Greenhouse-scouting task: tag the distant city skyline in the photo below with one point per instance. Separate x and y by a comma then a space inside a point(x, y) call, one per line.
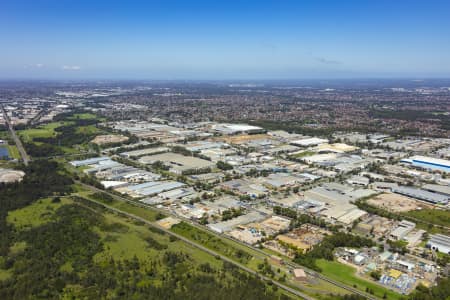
point(228, 40)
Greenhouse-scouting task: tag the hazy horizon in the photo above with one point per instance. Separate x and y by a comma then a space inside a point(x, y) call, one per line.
point(232, 40)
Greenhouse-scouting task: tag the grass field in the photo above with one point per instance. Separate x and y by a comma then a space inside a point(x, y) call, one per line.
point(225, 247)
point(13, 152)
point(87, 116)
point(346, 275)
point(126, 239)
point(123, 239)
point(47, 130)
point(90, 129)
point(435, 216)
point(84, 116)
point(35, 214)
point(4, 274)
point(147, 214)
point(17, 247)
point(249, 257)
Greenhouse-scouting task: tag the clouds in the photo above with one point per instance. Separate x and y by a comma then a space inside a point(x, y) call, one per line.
point(70, 68)
point(34, 66)
point(326, 61)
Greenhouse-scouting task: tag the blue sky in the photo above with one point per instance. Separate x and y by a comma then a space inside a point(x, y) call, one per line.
point(224, 39)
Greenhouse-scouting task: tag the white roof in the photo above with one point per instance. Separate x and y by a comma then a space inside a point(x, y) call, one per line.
point(242, 127)
point(107, 184)
point(432, 160)
point(309, 141)
point(299, 273)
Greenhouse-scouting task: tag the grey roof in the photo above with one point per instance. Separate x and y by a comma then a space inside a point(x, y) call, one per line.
point(253, 216)
point(441, 189)
point(440, 239)
point(90, 161)
point(421, 194)
point(162, 187)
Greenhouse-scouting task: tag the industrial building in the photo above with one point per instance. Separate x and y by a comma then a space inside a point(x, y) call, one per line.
point(142, 152)
point(308, 142)
point(299, 275)
point(177, 163)
point(90, 161)
point(440, 243)
point(403, 228)
point(429, 163)
point(225, 226)
point(436, 188)
point(282, 180)
point(231, 129)
point(420, 194)
point(150, 188)
point(244, 187)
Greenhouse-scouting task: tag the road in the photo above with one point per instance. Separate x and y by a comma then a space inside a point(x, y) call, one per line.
point(23, 153)
point(204, 228)
point(207, 250)
point(37, 117)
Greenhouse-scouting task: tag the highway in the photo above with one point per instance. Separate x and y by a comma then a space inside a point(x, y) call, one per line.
point(207, 250)
point(204, 228)
point(23, 153)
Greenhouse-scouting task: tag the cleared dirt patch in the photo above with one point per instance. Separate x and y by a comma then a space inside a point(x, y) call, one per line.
point(397, 203)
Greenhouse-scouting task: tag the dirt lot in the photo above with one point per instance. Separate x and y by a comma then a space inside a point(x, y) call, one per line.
point(8, 175)
point(109, 139)
point(240, 139)
point(397, 203)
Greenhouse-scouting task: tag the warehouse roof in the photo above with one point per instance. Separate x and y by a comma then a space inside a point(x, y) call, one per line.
point(309, 142)
point(440, 189)
point(90, 161)
point(177, 161)
point(421, 194)
point(253, 216)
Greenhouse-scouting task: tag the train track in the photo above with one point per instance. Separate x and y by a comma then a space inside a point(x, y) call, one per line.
point(204, 228)
point(17, 141)
point(207, 250)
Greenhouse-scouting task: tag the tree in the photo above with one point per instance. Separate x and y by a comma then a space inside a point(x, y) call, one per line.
point(224, 166)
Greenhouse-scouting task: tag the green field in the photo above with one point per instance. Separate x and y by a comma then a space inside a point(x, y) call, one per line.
point(222, 246)
point(76, 137)
point(13, 152)
point(346, 275)
point(17, 248)
point(4, 274)
point(126, 250)
point(84, 116)
point(147, 214)
point(435, 216)
point(47, 130)
point(124, 239)
point(236, 251)
point(90, 129)
point(36, 214)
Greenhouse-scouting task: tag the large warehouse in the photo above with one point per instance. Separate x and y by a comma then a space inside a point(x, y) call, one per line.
point(439, 242)
point(230, 129)
point(429, 163)
point(178, 164)
point(421, 194)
